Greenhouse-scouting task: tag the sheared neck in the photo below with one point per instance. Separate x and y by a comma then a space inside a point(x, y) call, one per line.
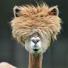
point(35, 60)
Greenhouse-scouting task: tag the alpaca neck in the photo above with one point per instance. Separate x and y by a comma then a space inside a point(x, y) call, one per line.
point(35, 60)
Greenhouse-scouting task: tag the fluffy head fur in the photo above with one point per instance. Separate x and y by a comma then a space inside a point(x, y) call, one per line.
point(30, 19)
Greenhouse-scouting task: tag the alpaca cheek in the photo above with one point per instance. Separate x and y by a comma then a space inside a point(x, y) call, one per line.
point(45, 45)
point(28, 47)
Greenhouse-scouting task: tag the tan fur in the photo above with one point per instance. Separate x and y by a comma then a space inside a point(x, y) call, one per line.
point(34, 18)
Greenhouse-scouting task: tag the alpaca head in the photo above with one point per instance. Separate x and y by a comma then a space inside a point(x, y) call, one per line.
point(34, 27)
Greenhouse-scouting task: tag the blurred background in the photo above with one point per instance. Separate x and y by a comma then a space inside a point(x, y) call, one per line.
point(12, 52)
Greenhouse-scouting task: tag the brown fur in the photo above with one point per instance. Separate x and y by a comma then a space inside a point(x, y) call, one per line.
point(36, 18)
point(35, 61)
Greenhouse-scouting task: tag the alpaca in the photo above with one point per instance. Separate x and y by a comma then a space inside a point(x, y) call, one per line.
point(34, 27)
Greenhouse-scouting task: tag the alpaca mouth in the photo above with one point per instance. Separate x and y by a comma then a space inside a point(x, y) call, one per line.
point(35, 50)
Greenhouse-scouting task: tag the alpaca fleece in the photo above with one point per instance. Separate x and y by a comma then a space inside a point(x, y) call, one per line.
point(35, 19)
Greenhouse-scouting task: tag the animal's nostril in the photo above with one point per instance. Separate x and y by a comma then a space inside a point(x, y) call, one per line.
point(35, 41)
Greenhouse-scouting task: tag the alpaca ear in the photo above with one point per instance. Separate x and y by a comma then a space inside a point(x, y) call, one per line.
point(54, 11)
point(16, 11)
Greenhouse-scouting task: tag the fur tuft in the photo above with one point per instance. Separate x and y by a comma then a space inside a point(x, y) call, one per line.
point(33, 19)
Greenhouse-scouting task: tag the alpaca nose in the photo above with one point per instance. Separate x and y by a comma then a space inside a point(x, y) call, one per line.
point(35, 41)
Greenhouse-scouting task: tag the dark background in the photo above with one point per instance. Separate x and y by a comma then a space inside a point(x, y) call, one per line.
point(12, 52)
